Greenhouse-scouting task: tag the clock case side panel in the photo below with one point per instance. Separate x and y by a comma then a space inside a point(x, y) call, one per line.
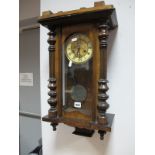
point(58, 69)
point(90, 30)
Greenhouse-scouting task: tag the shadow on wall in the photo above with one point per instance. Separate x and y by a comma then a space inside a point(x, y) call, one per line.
point(72, 142)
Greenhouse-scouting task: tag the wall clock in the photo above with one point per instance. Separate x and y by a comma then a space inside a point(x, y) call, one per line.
point(78, 68)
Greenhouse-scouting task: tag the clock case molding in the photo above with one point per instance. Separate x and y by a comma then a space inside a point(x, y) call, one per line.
point(97, 22)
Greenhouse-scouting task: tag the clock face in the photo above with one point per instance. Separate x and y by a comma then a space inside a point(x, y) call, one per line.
point(78, 48)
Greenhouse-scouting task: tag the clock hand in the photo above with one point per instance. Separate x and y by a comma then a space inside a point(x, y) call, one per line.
point(79, 52)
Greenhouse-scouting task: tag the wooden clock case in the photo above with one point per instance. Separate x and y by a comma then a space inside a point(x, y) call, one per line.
point(96, 23)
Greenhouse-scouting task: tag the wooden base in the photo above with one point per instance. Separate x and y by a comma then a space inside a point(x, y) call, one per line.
point(82, 124)
point(102, 120)
point(52, 113)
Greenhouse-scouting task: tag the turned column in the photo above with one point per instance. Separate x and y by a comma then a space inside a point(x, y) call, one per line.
point(102, 82)
point(52, 101)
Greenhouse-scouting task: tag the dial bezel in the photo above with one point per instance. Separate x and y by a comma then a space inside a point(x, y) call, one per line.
point(89, 44)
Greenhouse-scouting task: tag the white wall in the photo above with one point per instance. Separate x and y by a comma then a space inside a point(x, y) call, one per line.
point(121, 82)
